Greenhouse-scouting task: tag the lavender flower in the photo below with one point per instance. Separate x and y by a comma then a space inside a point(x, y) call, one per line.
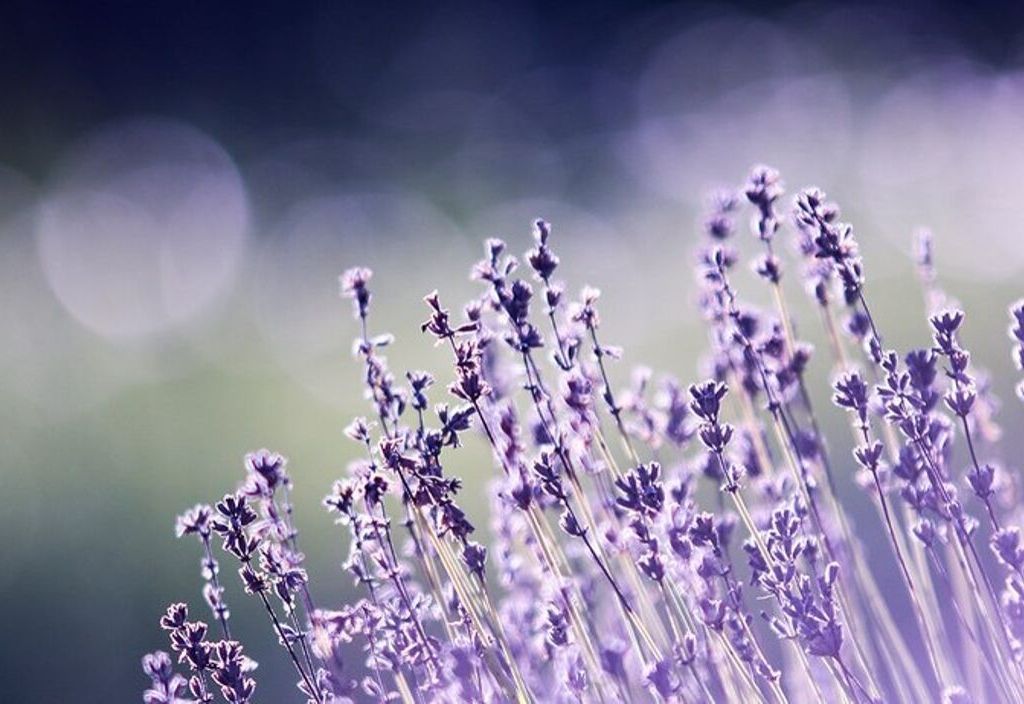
point(763, 189)
point(354, 285)
point(609, 572)
point(1017, 335)
point(167, 686)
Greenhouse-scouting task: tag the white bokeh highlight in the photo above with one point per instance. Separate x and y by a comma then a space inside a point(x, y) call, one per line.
point(143, 229)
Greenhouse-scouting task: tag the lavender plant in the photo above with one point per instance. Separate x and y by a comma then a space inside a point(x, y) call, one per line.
point(654, 542)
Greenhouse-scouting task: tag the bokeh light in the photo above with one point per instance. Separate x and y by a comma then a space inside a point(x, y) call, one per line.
point(143, 227)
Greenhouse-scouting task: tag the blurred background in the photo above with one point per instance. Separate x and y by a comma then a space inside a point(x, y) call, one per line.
point(181, 183)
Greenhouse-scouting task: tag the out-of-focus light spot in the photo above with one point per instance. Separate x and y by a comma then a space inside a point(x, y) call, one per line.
point(143, 229)
point(940, 150)
point(802, 126)
point(50, 367)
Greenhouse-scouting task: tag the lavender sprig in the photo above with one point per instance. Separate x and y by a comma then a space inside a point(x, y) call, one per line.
point(611, 574)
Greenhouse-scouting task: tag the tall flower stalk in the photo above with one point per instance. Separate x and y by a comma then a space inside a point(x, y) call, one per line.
point(657, 541)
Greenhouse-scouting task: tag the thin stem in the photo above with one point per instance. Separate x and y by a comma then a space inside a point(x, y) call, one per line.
point(211, 565)
point(287, 644)
point(609, 396)
point(918, 611)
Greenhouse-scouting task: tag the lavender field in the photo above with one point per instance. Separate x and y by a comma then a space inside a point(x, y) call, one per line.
point(512, 354)
point(610, 574)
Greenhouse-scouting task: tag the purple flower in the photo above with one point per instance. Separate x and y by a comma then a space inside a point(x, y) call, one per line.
point(981, 478)
point(706, 399)
point(868, 456)
point(475, 557)
point(195, 521)
point(175, 617)
point(662, 679)
point(229, 670)
point(769, 268)
point(945, 324)
point(419, 382)
point(438, 323)
point(557, 627)
point(715, 436)
point(166, 686)
point(960, 401)
point(641, 490)
point(763, 188)
point(718, 223)
point(852, 393)
point(568, 522)
point(636, 593)
point(354, 285)
point(541, 259)
point(1016, 331)
point(1006, 544)
point(267, 469)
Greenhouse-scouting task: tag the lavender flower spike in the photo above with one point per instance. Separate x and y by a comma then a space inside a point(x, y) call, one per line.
point(709, 556)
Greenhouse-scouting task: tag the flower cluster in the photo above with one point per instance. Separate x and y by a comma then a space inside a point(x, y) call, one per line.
point(650, 541)
point(212, 664)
